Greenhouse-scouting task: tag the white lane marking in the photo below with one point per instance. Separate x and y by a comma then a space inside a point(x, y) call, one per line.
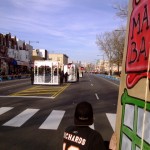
point(92, 126)
point(51, 97)
point(5, 109)
point(96, 96)
point(53, 120)
point(112, 120)
point(21, 118)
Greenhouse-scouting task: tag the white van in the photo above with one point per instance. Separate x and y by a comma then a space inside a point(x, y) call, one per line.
point(73, 73)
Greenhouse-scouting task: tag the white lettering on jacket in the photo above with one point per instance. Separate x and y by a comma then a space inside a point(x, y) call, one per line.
point(74, 138)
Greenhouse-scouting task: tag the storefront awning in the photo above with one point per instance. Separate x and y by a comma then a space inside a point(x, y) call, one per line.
point(14, 62)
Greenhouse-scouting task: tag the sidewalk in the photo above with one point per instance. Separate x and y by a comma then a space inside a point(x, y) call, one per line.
point(114, 78)
point(13, 77)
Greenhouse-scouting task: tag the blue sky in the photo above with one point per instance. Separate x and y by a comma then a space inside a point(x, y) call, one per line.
point(60, 26)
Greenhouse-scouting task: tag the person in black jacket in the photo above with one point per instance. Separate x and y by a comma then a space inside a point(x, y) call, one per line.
point(32, 77)
point(66, 76)
point(61, 77)
point(80, 136)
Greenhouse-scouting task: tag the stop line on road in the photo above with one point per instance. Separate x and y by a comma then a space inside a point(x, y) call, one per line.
point(52, 122)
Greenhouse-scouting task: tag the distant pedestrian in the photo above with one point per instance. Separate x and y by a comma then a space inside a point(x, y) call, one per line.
point(32, 77)
point(61, 77)
point(66, 76)
point(78, 76)
point(55, 72)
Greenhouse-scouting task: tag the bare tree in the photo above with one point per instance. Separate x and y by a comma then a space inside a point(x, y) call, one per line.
point(122, 10)
point(118, 47)
point(112, 44)
point(104, 42)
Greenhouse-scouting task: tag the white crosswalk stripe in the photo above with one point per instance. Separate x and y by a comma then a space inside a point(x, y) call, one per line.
point(4, 109)
point(53, 120)
point(112, 120)
point(21, 118)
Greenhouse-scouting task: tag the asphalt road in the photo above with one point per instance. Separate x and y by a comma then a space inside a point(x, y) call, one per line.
point(33, 117)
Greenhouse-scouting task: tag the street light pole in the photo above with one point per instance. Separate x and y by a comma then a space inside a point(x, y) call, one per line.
point(30, 53)
point(33, 42)
point(120, 30)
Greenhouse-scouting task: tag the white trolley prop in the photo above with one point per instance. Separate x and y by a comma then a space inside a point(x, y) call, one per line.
point(81, 69)
point(72, 72)
point(46, 72)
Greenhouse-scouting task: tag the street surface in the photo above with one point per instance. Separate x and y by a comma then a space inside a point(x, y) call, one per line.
point(33, 117)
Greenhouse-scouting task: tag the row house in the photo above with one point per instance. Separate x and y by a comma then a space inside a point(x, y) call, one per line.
point(15, 55)
point(39, 54)
point(61, 58)
point(104, 66)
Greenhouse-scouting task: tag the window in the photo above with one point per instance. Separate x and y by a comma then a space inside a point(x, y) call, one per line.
point(132, 123)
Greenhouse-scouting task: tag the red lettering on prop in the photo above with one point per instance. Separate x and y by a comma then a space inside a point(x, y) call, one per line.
point(138, 42)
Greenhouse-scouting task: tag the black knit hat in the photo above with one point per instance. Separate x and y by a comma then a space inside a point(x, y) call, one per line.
point(83, 114)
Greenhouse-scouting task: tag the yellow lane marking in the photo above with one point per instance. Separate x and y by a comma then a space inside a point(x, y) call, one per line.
point(39, 87)
point(33, 93)
point(59, 92)
point(42, 90)
point(17, 93)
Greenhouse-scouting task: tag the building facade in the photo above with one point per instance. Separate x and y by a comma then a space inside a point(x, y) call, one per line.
point(39, 54)
point(15, 55)
point(104, 66)
point(61, 58)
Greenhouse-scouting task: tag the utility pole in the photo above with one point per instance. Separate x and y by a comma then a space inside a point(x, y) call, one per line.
point(30, 53)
